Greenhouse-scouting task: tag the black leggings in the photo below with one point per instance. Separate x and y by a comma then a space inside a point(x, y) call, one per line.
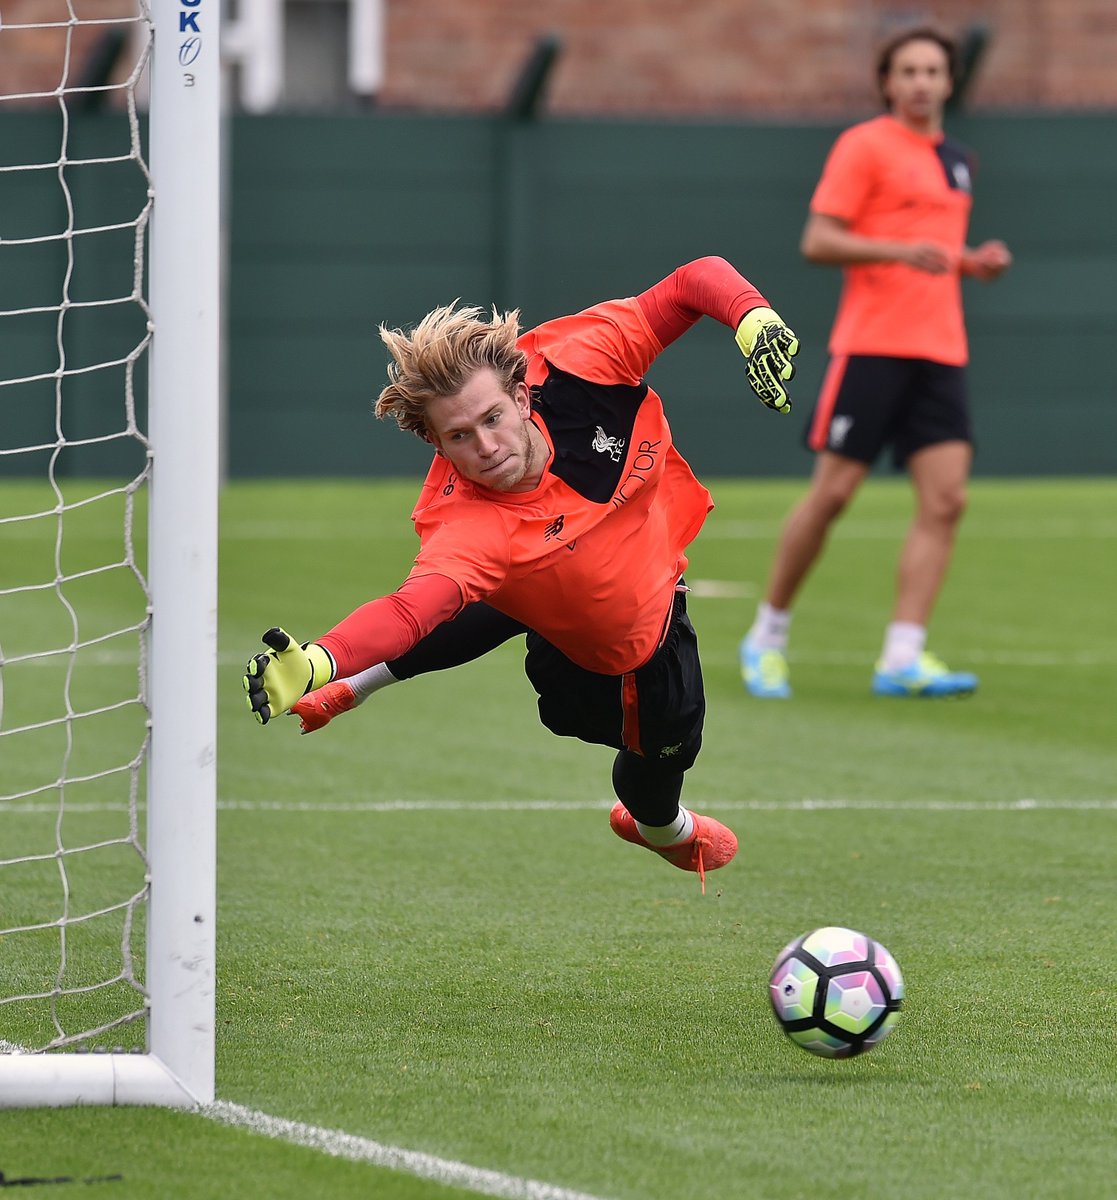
point(649, 792)
point(476, 630)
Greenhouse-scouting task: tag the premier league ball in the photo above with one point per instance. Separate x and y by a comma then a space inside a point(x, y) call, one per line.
point(836, 992)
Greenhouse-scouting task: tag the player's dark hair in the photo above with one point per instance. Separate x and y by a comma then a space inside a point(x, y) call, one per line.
point(439, 357)
point(921, 33)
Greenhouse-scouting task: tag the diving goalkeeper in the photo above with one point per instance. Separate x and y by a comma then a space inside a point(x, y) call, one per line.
point(557, 505)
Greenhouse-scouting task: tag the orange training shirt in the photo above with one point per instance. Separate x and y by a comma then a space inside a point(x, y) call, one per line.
point(886, 181)
point(589, 558)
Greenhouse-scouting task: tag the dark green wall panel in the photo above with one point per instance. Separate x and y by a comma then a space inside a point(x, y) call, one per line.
point(338, 223)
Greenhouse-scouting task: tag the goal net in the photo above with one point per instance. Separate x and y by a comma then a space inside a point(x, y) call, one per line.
point(109, 236)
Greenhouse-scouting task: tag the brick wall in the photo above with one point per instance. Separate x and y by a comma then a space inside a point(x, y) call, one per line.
point(698, 58)
point(41, 51)
point(737, 58)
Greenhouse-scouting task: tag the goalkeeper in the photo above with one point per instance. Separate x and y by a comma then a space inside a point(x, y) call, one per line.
point(556, 505)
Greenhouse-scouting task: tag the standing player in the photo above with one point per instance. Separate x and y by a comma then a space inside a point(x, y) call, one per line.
point(892, 209)
point(556, 505)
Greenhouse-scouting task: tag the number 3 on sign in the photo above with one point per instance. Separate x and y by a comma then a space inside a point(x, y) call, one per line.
point(187, 79)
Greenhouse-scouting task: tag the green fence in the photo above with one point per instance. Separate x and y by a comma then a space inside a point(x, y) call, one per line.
point(338, 223)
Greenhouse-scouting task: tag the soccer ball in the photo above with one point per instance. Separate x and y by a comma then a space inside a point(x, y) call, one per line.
point(836, 992)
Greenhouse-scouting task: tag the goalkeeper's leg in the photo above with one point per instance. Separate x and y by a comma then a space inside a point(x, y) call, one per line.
point(648, 813)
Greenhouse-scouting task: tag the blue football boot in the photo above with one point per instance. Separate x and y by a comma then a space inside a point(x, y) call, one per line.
point(764, 671)
point(927, 676)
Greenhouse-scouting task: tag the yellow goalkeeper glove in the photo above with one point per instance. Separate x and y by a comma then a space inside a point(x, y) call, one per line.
point(768, 346)
point(274, 681)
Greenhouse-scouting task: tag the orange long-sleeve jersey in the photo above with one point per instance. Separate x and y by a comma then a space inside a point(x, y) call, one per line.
point(886, 181)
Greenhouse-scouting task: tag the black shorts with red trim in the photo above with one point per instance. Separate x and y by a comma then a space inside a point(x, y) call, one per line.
point(657, 710)
point(869, 401)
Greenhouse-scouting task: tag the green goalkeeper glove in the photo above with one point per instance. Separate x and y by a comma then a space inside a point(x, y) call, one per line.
point(768, 346)
point(274, 681)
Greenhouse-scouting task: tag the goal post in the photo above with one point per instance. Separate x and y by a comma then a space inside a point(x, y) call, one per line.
point(185, 144)
point(178, 656)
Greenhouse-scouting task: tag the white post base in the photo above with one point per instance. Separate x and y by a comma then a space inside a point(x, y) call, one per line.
point(62, 1080)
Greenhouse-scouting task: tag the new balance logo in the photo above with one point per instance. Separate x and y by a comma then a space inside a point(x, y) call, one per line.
point(604, 444)
point(553, 528)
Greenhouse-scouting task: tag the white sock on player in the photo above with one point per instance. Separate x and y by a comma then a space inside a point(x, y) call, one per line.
point(903, 644)
point(678, 831)
point(770, 628)
point(364, 683)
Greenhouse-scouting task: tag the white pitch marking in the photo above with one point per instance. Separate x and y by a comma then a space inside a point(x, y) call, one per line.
point(413, 1162)
point(808, 804)
point(996, 658)
point(805, 805)
point(721, 589)
point(888, 529)
point(708, 589)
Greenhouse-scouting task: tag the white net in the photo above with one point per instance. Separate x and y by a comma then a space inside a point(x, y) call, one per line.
point(75, 201)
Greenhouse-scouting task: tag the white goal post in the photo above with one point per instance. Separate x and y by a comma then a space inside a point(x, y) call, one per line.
point(175, 1066)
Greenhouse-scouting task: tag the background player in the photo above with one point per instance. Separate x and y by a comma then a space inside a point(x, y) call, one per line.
point(892, 208)
point(557, 503)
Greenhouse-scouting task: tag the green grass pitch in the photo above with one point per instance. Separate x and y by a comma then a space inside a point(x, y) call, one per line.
point(429, 938)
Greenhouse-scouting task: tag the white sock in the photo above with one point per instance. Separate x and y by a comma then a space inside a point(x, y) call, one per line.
point(770, 629)
point(903, 644)
point(364, 683)
point(668, 835)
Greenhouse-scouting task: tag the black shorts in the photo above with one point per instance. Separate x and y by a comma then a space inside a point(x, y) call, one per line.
point(869, 401)
point(656, 710)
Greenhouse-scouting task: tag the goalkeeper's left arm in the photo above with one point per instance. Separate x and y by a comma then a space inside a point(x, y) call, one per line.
point(714, 288)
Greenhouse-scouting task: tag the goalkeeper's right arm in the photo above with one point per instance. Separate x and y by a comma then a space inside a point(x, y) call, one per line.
point(379, 631)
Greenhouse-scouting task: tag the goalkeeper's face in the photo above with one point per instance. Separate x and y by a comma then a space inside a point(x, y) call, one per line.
point(488, 435)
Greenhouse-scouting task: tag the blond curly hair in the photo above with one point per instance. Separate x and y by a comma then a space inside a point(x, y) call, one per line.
point(441, 354)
